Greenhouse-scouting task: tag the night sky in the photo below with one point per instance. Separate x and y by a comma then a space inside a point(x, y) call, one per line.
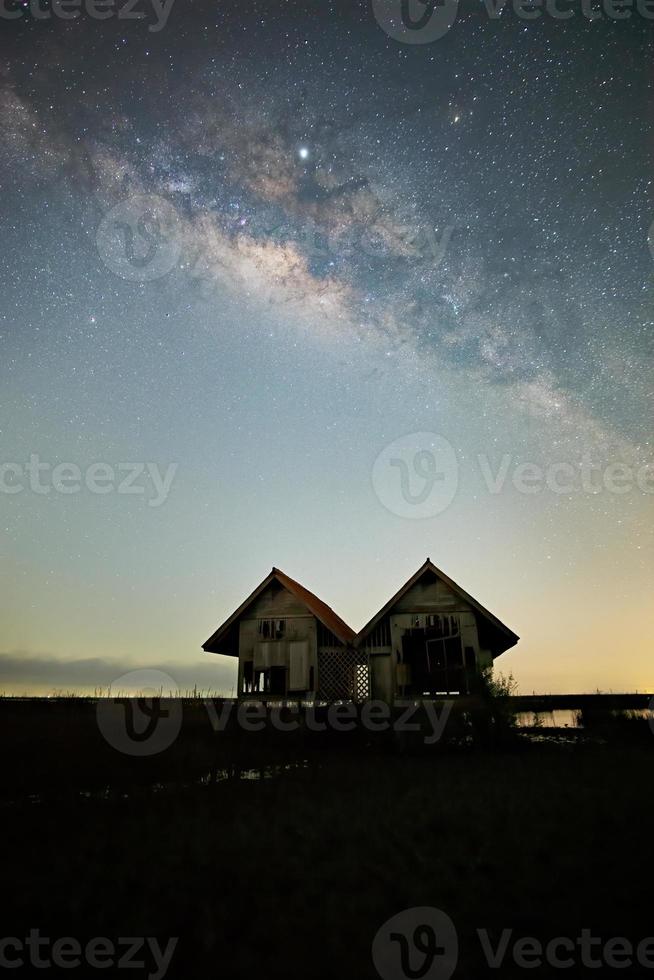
point(265, 242)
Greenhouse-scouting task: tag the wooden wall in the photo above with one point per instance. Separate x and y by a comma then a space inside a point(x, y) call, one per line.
point(426, 596)
point(301, 629)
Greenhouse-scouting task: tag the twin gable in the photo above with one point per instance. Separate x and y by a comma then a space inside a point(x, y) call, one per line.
point(428, 595)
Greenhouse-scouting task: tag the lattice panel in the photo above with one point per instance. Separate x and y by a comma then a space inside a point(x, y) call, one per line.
point(362, 682)
point(343, 675)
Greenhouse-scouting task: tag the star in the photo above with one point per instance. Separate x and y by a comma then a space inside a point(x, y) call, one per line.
point(296, 243)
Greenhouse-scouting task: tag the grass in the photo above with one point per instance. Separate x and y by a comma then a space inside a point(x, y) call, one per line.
point(292, 876)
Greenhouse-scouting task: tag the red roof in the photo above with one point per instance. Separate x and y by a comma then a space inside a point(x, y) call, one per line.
point(320, 609)
point(324, 613)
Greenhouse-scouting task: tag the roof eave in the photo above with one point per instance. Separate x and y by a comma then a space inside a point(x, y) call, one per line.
point(222, 629)
point(512, 642)
point(340, 629)
point(429, 566)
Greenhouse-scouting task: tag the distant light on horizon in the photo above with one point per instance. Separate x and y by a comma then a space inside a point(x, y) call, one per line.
point(235, 321)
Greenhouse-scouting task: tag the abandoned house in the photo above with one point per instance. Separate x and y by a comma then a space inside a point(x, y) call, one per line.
point(431, 638)
point(291, 644)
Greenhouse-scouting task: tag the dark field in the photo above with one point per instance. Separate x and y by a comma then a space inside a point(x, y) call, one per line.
point(292, 875)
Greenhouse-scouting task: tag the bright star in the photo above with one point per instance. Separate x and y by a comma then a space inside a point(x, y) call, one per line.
point(304, 153)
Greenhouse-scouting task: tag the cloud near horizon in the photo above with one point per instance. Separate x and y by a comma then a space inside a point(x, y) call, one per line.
point(23, 672)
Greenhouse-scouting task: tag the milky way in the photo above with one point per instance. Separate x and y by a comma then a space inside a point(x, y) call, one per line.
point(465, 222)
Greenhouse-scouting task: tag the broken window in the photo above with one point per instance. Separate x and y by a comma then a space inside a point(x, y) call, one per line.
point(248, 676)
point(434, 657)
point(270, 680)
point(277, 680)
point(272, 629)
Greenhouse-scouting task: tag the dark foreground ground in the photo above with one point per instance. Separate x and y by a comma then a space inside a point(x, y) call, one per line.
point(292, 875)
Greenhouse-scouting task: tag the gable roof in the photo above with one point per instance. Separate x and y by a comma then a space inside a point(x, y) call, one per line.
point(509, 638)
point(324, 613)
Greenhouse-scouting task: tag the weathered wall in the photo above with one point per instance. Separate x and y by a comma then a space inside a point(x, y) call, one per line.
point(297, 650)
point(424, 597)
